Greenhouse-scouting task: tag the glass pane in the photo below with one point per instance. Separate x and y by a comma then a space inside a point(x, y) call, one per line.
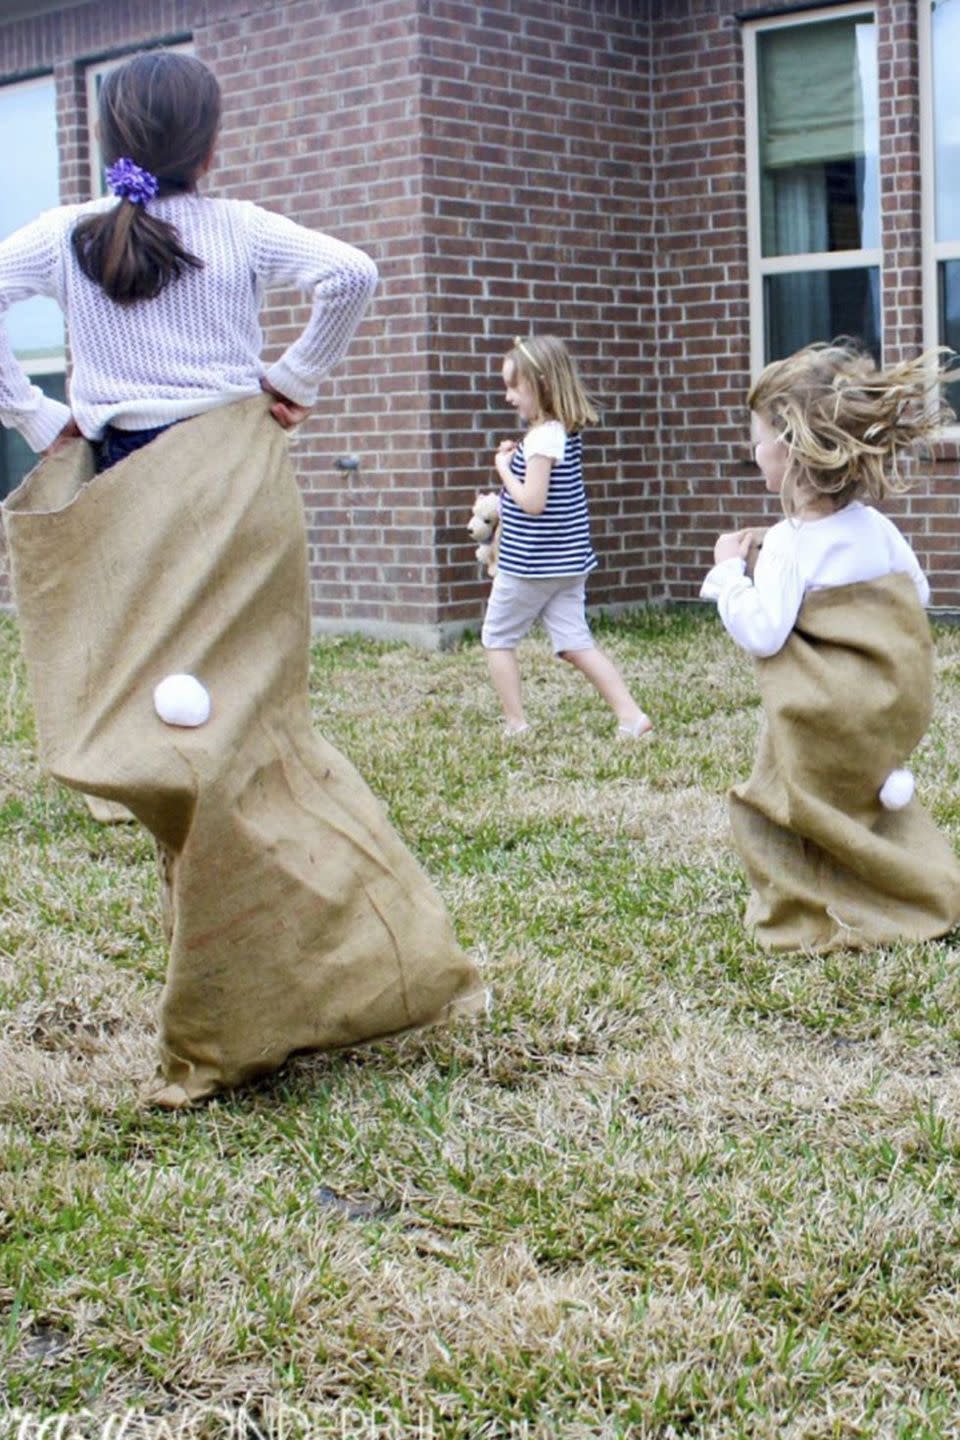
point(946, 118)
point(949, 306)
point(100, 184)
point(16, 457)
point(819, 137)
point(30, 183)
point(820, 305)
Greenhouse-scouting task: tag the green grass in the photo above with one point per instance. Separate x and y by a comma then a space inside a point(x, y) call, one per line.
point(673, 1187)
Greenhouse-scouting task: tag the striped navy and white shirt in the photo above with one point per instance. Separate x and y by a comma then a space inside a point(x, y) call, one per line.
point(557, 541)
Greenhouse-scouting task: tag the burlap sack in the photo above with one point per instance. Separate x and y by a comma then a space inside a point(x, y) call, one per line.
point(298, 919)
point(845, 702)
point(108, 812)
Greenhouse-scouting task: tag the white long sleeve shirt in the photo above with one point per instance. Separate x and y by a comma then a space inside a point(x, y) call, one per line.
point(197, 344)
point(855, 543)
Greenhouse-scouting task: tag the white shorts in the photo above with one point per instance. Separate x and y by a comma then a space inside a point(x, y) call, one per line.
point(517, 602)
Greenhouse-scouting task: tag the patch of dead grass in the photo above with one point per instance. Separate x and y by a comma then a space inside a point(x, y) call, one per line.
point(671, 1188)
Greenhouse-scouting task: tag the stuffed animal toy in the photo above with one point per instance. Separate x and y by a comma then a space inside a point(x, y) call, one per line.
point(484, 527)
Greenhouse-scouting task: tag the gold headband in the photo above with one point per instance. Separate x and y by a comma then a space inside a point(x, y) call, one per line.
point(519, 345)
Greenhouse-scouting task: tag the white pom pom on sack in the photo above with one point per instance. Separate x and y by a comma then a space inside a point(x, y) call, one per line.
point(897, 790)
point(182, 700)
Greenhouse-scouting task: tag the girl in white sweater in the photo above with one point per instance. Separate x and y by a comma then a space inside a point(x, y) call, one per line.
point(161, 287)
point(837, 849)
point(164, 606)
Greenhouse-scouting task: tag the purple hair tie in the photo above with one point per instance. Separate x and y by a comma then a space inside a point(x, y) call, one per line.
point(130, 182)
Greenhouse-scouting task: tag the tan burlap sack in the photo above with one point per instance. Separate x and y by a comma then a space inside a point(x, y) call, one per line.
point(108, 812)
point(845, 702)
point(298, 919)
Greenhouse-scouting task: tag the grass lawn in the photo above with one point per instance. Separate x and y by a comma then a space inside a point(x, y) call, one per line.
point(673, 1186)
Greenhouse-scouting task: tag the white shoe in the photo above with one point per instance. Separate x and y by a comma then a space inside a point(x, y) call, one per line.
point(638, 730)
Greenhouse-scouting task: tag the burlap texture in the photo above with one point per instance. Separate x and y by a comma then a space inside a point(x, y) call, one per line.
point(108, 812)
point(845, 701)
point(298, 919)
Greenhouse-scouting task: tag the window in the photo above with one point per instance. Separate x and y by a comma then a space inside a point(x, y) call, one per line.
point(813, 190)
point(940, 141)
point(29, 184)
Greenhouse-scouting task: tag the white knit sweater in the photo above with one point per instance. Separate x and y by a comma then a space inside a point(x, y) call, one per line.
point(197, 345)
point(850, 545)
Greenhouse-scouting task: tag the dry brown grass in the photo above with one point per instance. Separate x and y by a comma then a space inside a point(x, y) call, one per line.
point(672, 1188)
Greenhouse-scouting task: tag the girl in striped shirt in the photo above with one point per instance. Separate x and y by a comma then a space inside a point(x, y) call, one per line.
point(545, 551)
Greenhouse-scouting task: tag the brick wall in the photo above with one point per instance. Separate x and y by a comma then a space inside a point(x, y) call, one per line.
point(538, 218)
point(703, 323)
point(931, 514)
point(528, 210)
point(321, 121)
point(513, 166)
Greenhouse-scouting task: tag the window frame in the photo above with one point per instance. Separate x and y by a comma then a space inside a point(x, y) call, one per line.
point(758, 265)
point(36, 366)
point(932, 251)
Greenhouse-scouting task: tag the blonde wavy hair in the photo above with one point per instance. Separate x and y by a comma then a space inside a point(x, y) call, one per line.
point(545, 363)
point(845, 422)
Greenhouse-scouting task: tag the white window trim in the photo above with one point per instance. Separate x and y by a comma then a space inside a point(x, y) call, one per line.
point(44, 365)
point(758, 265)
point(94, 71)
point(932, 251)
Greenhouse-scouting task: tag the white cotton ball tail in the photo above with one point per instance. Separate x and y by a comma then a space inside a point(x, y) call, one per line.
point(182, 700)
point(897, 790)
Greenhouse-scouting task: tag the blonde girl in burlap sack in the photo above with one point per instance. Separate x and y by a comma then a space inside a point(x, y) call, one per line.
point(837, 848)
point(159, 563)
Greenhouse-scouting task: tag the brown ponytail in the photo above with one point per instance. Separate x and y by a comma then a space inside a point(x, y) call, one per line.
point(161, 110)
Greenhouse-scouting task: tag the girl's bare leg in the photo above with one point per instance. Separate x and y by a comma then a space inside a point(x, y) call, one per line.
point(605, 677)
point(505, 674)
